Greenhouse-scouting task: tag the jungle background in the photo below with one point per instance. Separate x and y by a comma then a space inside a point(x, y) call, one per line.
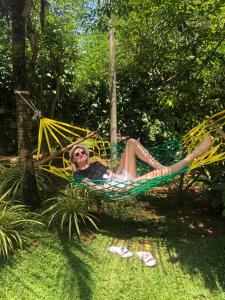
point(170, 74)
point(169, 62)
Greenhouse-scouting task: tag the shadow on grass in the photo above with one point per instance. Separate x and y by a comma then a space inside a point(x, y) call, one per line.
point(80, 280)
point(71, 278)
point(193, 236)
point(18, 279)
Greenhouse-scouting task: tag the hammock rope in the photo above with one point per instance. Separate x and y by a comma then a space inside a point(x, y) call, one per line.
point(37, 113)
point(56, 135)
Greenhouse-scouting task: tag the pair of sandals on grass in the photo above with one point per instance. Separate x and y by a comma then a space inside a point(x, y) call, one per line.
point(146, 257)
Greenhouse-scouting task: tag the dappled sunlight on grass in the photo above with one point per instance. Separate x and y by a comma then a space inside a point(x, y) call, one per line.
point(187, 239)
point(76, 276)
point(190, 259)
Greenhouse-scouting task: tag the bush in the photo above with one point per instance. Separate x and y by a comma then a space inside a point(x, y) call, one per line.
point(212, 177)
point(13, 219)
point(10, 181)
point(69, 209)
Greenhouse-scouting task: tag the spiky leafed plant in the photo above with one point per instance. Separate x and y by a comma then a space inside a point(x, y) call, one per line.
point(69, 210)
point(13, 219)
point(10, 180)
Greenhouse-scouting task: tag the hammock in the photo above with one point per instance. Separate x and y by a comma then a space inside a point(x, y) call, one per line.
point(57, 138)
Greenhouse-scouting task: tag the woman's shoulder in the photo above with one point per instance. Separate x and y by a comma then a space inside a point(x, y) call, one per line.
point(96, 164)
point(101, 162)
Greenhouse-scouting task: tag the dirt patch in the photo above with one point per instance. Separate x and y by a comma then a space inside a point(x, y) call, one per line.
point(196, 213)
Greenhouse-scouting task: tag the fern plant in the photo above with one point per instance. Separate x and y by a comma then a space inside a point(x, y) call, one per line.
point(13, 219)
point(69, 209)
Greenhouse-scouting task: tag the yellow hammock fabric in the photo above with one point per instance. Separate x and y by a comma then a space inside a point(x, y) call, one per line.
point(54, 135)
point(211, 125)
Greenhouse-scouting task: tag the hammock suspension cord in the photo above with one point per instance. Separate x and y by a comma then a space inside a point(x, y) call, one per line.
point(37, 113)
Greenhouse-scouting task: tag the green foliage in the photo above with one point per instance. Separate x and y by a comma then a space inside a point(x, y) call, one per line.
point(8, 104)
point(212, 177)
point(168, 58)
point(52, 56)
point(10, 181)
point(190, 261)
point(13, 219)
point(217, 193)
point(44, 181)
point(170, 66)
point(69, 209)
point(170, 55)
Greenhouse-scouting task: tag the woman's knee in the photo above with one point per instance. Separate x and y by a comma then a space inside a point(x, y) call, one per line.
point(131, 141)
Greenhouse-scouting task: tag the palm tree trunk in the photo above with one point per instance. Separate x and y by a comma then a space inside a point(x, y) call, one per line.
point(29, 192)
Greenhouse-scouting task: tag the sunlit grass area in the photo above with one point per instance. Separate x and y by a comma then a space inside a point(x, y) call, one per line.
point(187, 242)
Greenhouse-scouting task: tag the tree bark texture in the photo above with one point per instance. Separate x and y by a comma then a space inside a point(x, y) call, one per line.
point(112, 83)
point(29, 191)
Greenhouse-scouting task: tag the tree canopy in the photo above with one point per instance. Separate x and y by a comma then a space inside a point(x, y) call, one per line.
point(170, 66)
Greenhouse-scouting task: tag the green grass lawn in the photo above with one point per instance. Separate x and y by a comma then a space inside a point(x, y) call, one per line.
point(188, 243)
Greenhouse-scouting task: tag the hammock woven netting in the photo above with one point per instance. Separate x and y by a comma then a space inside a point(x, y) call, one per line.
point(57, 138)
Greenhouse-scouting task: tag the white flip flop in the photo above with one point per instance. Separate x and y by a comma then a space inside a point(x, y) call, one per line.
point(121, 251)
point(147, 258)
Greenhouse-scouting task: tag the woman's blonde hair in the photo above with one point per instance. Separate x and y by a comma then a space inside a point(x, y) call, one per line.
point(71, 152)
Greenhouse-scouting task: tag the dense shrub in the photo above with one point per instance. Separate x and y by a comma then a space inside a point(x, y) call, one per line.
point(10, 181)
point(13, 221)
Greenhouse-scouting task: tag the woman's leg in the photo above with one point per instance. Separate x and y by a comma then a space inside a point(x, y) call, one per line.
point(202, 148)
point(128, 161)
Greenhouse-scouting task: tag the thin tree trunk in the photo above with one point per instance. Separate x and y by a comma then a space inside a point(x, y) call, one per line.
point(29, 192)
point(180, 189)
point(33, 37)
point(57, 96)
point(112, 81)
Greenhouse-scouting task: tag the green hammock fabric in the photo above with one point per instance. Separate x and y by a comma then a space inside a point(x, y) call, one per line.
point(121, 189)
point(166, 153)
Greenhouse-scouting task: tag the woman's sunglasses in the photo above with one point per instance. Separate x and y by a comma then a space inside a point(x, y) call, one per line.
point(77, 154)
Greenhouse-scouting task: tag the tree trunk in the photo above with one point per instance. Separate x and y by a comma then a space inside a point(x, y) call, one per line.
point(112, 82)
point(57, 96)
point(29, 191)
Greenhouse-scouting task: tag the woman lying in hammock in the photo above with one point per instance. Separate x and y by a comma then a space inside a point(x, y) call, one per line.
point(127, 171)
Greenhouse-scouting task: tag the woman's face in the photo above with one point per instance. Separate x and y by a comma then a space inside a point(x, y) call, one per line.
point(80, 156)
